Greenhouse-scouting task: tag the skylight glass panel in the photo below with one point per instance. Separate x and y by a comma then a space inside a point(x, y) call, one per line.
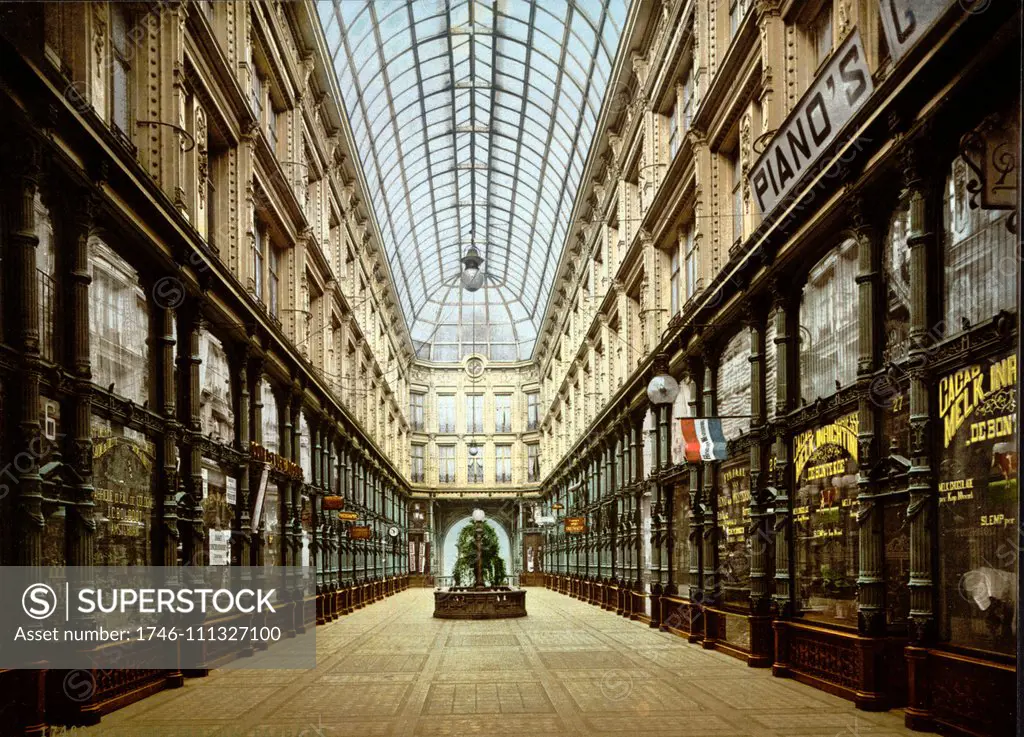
point(472, 120)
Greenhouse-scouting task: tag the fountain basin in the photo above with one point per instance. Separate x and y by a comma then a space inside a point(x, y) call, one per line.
point(499, 602)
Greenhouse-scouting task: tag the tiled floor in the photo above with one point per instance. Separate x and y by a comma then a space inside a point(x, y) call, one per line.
point(567, 669)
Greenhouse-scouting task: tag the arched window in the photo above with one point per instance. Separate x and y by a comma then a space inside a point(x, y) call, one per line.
point(979, 264)
point(828, 324)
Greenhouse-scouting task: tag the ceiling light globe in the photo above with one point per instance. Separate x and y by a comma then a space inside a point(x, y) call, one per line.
point(472, 279)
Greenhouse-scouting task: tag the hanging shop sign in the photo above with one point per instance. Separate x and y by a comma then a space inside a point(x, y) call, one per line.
point(575, 525)
point(557, 506)
point(360, 532)
point(840, 89)
point(905, 21)
point(703, 439)
point(277, 462)
point(231, 489)
point(332, 502)
point(348, 516)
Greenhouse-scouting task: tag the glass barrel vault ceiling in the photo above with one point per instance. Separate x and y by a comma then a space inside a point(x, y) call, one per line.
point(472, 121)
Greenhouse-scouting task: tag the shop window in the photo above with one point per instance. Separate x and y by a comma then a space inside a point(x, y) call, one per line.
point(123, 465)
point(218, 511)
point(681, 525)
point(828, 324)
point(269, 418)
point(305, 448)
point(734, 386)
point(118, 325)
point(825, 532)
point(896, 274)
point(980, 264)
point(216, 411)
point(896, 536)
point(46, 270)
point(733, 521)
point(306, 531)
point(271, 530)
point(978, 525)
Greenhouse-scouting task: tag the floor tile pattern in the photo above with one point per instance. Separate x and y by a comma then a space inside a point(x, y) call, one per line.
point(391, 670)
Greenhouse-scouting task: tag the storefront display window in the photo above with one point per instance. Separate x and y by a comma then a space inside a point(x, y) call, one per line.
point(681, 525)
point(825, 529)
point(123, 461)
point(733, 521)
point(734, 386)
point(216, 412)
point(980, 263)
point(118, 325)
point(218, 513)
point(896, 275)
point(272, 526)
point(978, 525)
point(269, 418)
point(306, 521)
point(828, 324)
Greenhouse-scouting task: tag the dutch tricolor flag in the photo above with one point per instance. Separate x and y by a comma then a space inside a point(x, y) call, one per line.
point(703, 439)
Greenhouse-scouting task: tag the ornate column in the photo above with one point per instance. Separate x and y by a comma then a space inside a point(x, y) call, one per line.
point(871, 578)
point(709, 513)
point(166, 539)
point(785, 306)
point(29, 523)
point(241, 535)
point(760, 592)
point(695, 549)
point(921, 511)
point(637, 448)
point(283, 513)
point(190, 325)
point(250, 480)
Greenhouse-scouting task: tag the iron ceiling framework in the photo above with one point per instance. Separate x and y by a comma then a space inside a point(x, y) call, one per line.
point(472, 121)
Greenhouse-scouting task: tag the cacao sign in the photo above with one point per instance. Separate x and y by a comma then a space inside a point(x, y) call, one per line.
point(276, 462)
point(333, 502)
point(359, 532)
point(575, 525)
point(348, 516)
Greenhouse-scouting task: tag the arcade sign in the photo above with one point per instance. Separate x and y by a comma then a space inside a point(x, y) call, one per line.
point(360, 532)
point(348, 516)
point(575, 525)
point(333, 502)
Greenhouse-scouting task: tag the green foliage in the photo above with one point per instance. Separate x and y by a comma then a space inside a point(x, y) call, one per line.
point(465, 565)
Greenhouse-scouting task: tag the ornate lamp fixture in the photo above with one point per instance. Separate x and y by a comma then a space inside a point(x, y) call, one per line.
point(663, 388)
